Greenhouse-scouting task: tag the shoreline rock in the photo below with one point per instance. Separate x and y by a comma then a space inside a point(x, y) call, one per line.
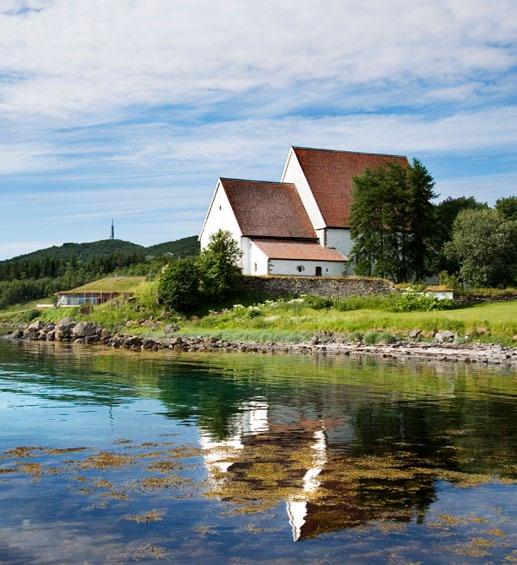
point(443, 348)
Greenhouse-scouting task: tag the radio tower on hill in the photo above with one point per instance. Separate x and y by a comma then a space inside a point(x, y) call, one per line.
point(112, 236)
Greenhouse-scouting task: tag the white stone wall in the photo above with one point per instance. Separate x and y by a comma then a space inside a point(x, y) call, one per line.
point(289, 267)
point(220, 216)
point(340, 239)
point(294, 173)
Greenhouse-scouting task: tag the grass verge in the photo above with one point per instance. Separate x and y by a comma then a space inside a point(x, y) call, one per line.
point(368, 319)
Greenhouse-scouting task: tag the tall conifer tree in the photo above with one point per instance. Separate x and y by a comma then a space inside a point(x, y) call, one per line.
point(421, 220)
point(392, 222)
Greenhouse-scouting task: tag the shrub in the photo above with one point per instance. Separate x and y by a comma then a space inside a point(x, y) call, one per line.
point(148, 295)
point(317, 302)
point(218, 266)
point(356, 336)
point(29, 315)
point(411, 299)
point(178, 288)
point(373, 337)
point(370, 302)
point(253, 312)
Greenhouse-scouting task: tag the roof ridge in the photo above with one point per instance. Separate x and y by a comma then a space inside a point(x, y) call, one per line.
point(257, 180)
point(349, 152)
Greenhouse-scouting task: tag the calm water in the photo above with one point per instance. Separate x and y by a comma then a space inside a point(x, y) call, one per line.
point(109, 456)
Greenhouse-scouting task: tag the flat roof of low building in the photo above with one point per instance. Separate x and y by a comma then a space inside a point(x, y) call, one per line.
point(107, 285)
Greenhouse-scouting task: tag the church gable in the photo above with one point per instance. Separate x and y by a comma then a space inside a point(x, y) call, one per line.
point(330, 175)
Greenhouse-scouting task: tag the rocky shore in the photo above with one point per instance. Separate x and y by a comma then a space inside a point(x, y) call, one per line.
point(442, 348)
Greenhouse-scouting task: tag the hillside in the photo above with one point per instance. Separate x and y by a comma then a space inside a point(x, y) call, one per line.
point(185, 247)
point(105, 247)
point(41, 273)
point(82, 251)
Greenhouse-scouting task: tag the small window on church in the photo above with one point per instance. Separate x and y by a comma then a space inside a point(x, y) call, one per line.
point(255, 267)
point(219, 207)
point(300, 268)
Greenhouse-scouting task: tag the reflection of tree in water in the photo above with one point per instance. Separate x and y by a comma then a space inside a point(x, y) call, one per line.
point(323, 488)
point(341, 461)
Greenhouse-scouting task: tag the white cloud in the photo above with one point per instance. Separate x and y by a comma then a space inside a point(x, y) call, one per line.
point(75, 61)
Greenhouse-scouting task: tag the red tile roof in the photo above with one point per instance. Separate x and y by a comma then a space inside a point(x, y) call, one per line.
point(297, 250)
point(330, 176)
point(268, 209)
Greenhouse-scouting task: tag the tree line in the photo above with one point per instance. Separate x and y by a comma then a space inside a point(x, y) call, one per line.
point(53, 267)
point(31, 278)
point(398, 232)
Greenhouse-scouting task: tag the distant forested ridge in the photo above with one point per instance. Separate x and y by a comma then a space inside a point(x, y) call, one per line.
point(185, 247)
point(41, 273)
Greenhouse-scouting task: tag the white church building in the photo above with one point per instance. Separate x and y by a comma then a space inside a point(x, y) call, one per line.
point(300, 225)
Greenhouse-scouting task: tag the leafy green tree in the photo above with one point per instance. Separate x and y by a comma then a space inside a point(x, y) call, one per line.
point(392, 220)
point(218, 266)
point(485, 245)
point(179, 286)
point(507, 207)
point(446, 212)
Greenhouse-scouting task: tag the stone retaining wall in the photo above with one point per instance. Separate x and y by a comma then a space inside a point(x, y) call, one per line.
point(327, 287)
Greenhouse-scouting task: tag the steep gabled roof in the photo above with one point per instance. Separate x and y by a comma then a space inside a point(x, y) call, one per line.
point(330, 176)
point(297, 250)
point(268, 209)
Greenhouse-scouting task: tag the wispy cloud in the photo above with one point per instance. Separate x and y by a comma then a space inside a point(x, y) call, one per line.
point(81, 61)
point(21, 247)
point(151, 151)
point(485, 187)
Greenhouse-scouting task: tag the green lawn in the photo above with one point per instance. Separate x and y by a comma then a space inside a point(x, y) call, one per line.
point(495, 321)
point(16, 312)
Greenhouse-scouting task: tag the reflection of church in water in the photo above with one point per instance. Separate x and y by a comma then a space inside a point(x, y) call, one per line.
point(278, 454)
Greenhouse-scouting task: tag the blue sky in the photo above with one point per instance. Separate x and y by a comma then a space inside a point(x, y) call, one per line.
point(131, 109)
